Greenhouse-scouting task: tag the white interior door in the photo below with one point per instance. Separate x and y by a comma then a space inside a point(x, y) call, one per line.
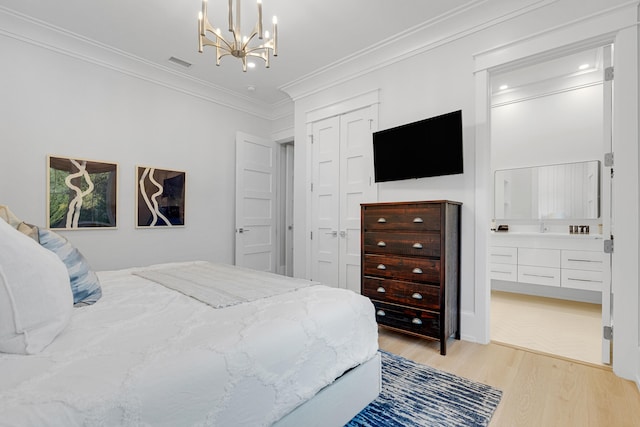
point(325, 199)
point(356, 187)
point(342, 171)
point(255, 203)
point(607, 203)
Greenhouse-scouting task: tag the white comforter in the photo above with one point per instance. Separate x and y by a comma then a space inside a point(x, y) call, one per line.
point(147, 355)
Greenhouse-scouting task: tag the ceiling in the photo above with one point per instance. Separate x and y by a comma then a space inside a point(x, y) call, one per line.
point(311, 34)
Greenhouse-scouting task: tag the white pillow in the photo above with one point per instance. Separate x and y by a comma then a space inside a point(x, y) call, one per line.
point(35, 294)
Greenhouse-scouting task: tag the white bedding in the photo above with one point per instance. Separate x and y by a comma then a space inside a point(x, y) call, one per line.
point(147, 355)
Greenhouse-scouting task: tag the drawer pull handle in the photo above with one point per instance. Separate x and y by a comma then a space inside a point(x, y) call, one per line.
point(382, 220)
point(507, 255)
point(381, 313)
point(539, 275)
point(381, 290)
point(583, 260)
point(418, 220)
point(417, 246)
point(417, 270)
point(416, 321)
point(584, 280)
point(382, 244)
point(381, 267)
point(416, 296)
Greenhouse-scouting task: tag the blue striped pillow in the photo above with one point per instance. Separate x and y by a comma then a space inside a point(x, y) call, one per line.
point(85, 285)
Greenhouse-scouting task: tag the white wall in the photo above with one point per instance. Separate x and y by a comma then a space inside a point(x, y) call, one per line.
point(53, 103)
point(563, 127)
point(433, 72)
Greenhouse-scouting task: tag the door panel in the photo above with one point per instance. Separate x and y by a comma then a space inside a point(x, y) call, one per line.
point(356, 187)
point(255, 203)
point(325, 244)
point(342, 169)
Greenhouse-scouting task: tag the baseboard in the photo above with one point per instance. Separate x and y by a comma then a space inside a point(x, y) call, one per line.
point(638, 371)
point(470, 328)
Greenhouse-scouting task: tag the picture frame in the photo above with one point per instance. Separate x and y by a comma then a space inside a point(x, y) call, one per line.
point(160, 197)
point(81, 193)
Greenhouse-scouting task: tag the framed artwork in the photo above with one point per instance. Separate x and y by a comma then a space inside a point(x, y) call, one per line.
point(160, 195)
point(81, 193)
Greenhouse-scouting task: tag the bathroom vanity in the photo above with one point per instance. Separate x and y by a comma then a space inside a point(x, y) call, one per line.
point(540, 255)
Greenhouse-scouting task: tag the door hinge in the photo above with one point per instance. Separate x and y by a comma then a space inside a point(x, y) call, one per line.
point(607, 332)
point(608, 159)
point(608, 74)
point(608, 246)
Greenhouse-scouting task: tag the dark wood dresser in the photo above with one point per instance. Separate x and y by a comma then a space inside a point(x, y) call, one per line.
point(411, 266)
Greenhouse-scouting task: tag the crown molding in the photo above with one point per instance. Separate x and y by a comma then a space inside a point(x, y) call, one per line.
point(41, 34)
point(472, 18)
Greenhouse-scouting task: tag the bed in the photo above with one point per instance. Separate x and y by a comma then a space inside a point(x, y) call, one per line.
point(148, 354)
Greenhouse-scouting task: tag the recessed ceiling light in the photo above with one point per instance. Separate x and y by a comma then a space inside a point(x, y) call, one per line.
point(583, 67)
point(251, 64)
point(251, 88)
point(503, 87)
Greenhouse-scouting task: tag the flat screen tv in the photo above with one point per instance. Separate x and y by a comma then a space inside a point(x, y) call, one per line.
point(429, 147)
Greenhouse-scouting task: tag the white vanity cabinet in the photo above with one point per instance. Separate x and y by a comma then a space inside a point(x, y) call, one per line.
point(582, 269)
point(539, 266)
point(551, 260)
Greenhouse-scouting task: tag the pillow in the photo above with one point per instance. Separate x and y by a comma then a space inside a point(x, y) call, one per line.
point(35, 296)
point(15, 222)
point(84, 282)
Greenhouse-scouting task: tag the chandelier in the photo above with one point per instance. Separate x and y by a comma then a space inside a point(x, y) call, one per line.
point(238, 45)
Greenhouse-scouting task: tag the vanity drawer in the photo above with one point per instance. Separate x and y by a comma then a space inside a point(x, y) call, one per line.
point(581, 279)
point(539, 257)
point(503, 255)
point(503, 272)
point(583, 260)
point(424, 270)
point(405, 293)
point(408, 218)
point(417, 244)
point(539, 275)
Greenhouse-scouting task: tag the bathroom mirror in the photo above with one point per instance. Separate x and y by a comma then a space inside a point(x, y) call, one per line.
point(563, 191)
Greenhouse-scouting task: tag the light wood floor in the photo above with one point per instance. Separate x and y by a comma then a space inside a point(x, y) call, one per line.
point(565, 328)
point(538, 390)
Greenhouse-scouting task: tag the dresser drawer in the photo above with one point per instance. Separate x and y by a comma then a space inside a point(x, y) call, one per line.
point(420, 322)
point(583, 260)
point(408, 218)
point(417, 244)
point(539, 275)
point(503, 255)
point(406, 293)
point(503, 272)
point(423, 270)
point(581, 279)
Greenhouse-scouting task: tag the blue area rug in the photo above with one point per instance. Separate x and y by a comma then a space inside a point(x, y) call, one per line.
point(418, 395)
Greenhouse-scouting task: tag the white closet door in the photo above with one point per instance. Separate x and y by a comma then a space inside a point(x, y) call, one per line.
point(356, 187)
point(342, 179)
point(325, 201)
point(255, 203)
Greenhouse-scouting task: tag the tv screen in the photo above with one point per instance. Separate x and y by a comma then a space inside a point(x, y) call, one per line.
point(429, 147)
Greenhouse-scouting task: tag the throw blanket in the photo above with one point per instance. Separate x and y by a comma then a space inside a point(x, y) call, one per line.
point(220, 285)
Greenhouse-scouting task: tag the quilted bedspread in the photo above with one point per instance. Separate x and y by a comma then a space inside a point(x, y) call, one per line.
point(147, 355)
